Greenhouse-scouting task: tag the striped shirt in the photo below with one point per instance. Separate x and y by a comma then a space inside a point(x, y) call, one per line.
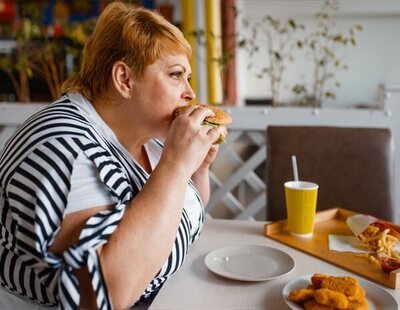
point(36, 166)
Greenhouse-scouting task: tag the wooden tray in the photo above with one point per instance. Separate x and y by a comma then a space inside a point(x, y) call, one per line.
point(327, 222)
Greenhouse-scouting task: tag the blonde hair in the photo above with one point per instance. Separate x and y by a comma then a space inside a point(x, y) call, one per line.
point(134, 35)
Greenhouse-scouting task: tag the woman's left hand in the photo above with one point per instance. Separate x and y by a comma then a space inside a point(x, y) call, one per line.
point(202, 177)
point(208, 160)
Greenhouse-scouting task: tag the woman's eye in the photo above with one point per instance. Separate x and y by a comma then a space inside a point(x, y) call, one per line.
point(176, 75)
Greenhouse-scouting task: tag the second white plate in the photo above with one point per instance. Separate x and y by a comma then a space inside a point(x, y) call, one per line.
point(376, 296)
point(249, 262)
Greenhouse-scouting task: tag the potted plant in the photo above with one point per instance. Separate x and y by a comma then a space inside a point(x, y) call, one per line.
point(276, 37)
point(279, 38)
point(48, 52)
point(323, 45)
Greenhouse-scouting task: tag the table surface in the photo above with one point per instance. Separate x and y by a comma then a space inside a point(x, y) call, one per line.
point(196, 287)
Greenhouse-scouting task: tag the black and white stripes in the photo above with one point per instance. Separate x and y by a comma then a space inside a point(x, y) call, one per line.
point(35, 172)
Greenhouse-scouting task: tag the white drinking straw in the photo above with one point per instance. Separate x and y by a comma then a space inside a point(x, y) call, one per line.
point(294, 166)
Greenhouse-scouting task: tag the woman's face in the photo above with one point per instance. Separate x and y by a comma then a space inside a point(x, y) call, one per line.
point(163, 88)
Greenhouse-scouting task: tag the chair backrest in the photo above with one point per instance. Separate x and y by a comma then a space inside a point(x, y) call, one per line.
point(353, 167)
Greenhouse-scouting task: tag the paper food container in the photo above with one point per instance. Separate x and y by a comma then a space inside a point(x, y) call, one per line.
point(359, 222)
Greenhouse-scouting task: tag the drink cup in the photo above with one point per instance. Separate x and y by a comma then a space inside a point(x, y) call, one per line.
point(301, 203)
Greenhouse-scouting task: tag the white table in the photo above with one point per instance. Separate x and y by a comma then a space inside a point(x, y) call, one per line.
point(195, 287)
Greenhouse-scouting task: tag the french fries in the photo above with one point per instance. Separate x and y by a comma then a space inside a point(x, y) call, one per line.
point(381, 239)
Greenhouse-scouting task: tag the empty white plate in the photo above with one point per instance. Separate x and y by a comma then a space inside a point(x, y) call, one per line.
point(249, 262)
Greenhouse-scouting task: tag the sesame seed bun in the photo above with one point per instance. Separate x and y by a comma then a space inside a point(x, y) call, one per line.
point(221, 117)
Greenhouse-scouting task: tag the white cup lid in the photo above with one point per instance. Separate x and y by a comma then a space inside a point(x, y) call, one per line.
point(301, 185)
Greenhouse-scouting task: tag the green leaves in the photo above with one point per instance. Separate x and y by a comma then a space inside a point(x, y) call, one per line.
point(326, 44)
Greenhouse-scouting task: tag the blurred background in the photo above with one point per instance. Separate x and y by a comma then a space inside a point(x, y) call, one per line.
point(254, 52)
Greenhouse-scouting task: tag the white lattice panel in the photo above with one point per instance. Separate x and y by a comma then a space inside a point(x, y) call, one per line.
point(242, 194)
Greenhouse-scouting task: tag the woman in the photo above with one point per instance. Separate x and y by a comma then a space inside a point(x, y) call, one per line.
point(101, 192)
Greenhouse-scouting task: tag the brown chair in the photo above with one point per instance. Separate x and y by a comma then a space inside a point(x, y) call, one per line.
point(353, 167)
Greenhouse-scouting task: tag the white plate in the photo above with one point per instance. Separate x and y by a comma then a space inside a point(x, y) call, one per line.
point(376, 296)
point(249, 262)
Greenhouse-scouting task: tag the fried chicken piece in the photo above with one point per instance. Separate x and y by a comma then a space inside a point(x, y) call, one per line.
point(346, 285)
point(331, 298)
point(359, 297)
point(358, 305)
point(312, 304)
point(330, 293)
point(317, 278)
point(302, 294)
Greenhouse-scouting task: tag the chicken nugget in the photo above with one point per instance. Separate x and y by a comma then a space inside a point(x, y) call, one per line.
point(331, 298)
point(359, 297)
point(302, 294)
point(346, 285)
point(312, 304)
point(358, 305)
point(317, 278)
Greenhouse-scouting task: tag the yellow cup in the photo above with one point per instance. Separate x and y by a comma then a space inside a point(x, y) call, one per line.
point(301, 203)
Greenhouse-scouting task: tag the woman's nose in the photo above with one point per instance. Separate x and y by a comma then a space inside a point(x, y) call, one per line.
point(188, 94)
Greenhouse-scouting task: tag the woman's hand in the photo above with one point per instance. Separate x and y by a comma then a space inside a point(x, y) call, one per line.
point(202, 177)
point(190, 143)
point(211, 155)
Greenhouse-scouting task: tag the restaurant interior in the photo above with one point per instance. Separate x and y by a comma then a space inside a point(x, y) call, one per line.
point(313, 88)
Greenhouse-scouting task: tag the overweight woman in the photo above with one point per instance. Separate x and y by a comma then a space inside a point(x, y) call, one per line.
point(102, 193)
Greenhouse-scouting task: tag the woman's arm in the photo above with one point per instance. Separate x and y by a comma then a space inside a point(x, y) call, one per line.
point(139, 246)
point(68, 235)
point(143, 240)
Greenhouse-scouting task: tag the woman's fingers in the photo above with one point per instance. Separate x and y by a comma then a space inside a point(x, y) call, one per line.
point(189, 141)
point(200, 113)
point(213, 133)
point(189, 123)
point(197, 113)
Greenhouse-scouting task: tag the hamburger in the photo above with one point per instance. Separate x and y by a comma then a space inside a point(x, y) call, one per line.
point(219, 120)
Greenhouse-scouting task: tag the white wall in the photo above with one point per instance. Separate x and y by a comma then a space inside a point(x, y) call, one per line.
point(374, 61)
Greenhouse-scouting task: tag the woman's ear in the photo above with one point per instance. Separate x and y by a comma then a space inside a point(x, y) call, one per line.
point(122, 79)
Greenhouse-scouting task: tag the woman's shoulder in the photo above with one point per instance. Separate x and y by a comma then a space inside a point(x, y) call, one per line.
point(66, 107)
point(59, 122)
point(62, 116)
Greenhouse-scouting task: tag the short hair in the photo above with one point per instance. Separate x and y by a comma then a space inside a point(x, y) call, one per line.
point(135, 35)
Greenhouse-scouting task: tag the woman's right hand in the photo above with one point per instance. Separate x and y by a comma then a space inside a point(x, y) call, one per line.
point(188, 141)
